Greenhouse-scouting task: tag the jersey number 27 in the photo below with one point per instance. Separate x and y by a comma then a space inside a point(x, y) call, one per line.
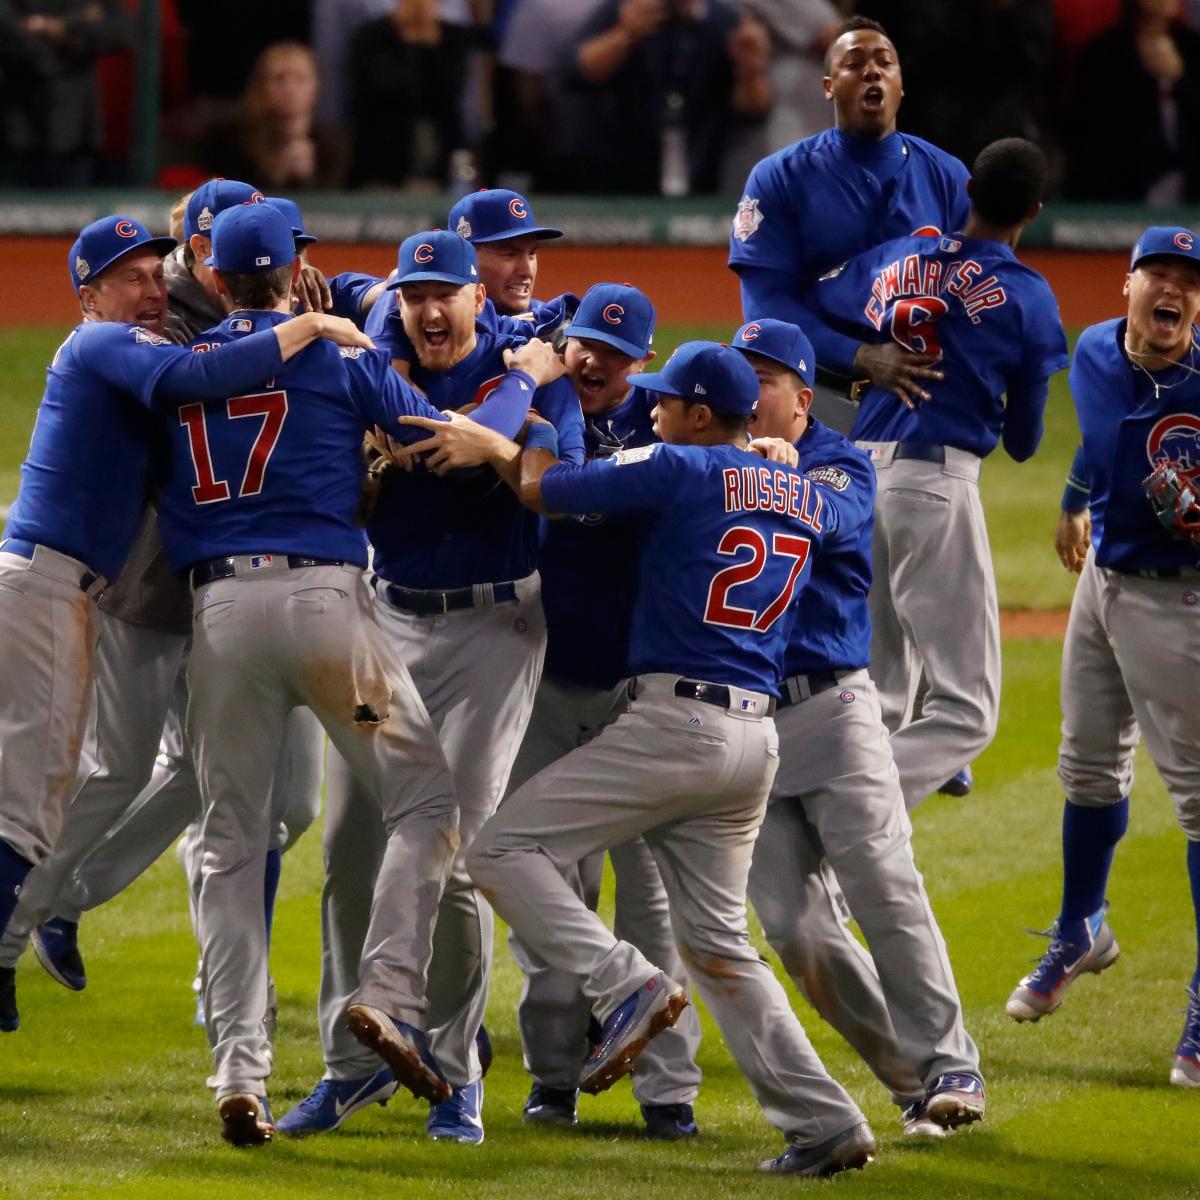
point(271, 406)
point(719, 610)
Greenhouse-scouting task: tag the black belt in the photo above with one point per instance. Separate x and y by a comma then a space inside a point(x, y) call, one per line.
point(425, 603)
point(922, 451)
point(798, 688)
point(226, 568)
point(847, 388)
point(1162, 572)
point(712, 693)
point(25, 549)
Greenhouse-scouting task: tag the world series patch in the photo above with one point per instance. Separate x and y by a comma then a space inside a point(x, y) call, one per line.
point(833, 477)
point(624, 458)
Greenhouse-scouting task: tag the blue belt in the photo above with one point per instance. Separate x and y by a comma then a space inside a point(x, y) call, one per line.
point(25, 549)
point(1161, 572)
point(798, 688)
point(922, 451)
point(226, 568)
point(423, 602)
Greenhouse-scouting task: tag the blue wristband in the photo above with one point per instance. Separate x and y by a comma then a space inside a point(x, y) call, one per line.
point(542, 437)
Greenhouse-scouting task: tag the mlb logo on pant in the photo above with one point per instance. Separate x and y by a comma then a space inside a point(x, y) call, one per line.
point(260, 560)
point(749, 705)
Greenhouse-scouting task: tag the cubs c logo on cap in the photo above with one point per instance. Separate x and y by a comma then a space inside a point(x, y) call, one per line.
point(1184, 240)
point(257, 198)
point(751, 332)
point(423, 253)
point(126, 229)
point(516, 206)
point(613, 314)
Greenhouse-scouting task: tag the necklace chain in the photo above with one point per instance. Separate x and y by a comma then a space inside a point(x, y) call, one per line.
point(1188, 369)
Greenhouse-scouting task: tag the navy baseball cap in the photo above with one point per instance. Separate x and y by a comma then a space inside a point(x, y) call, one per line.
point(1166, 241)
point(291, 210)
point(784, 343)
point(616, 313)
point(438, 256)
point(251, 237)
point(708, 373)
point(211, 199)
point(492, 215)
point(101, 243)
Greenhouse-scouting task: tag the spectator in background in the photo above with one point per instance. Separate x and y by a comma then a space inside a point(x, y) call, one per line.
point(49, 104)
point(405, 72)
point(1135, 135)
point(275, 138)
point(334, 23)
point(688, 69)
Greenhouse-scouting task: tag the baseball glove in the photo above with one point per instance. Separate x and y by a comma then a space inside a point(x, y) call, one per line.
point(1175, 502)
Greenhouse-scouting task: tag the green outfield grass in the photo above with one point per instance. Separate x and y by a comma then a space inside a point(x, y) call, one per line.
point(102, 1093)
point(1021, 500)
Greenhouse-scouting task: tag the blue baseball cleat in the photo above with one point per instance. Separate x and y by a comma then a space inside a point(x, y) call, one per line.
point(56, 944)
point(917, 1122)
point(245, 1119)
point(459, 1119)
point(959, 784)
point(655, 1006)
point(332, 1101)
point(669, 1122)
point(849, 1151)
point(10, 1018)
point(955, 1099)
point(1185, 1070)
point(1041, 991)
point(550, 1106)
point(403, 1047)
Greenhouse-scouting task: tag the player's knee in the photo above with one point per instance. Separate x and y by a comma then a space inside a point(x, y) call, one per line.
point(1187, 809)
point(1094, 785)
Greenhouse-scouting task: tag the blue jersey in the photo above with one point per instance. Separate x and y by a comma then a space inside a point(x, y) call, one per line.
point(1126, 434)
point(994, 321)
point(833, 624)
point(279, 469)
point(349, 290)
point(83, 483)
point(589, 565)
point(819, 202)
point(727, 543)
point(472, 529)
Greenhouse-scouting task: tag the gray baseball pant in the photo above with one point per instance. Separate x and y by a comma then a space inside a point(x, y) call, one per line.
point(476, 670)
point(837, 823)
point(933, 605)
point(553, 1015)
point(264, 642)
point(693, 780)
point(1128, 662)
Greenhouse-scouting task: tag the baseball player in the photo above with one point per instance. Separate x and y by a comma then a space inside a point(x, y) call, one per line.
point(727, 542)
point(77, 514)
point(993, 324)
point(261, 515)
point(457, 595)
point(1131, 637)
point(588, 577)
point(815, 204)
point(837, 808)
point(143, 634)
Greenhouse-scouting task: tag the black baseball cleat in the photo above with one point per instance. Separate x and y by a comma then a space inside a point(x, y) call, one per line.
point(550, 1106)
point(959, 784)
point(849, 1151)
point(10, 1019)
point(56, 944)
point(669, 1122)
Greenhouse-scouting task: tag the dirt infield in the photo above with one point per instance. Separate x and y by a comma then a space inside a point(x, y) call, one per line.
point(1024, 623)
point(689, 284)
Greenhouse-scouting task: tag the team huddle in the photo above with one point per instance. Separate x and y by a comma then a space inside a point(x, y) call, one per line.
point(726, 622)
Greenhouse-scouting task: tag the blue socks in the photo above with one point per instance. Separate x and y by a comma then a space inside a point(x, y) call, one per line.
point(13, 869)
point(270, 887)
point(1090, 836)
point(1193, 862)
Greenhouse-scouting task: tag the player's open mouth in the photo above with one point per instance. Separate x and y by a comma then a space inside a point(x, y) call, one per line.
point(520, 290)
point(436, 336)
point(873, 96)
point(149, 316)
point(591, 384)
point(1167, 317)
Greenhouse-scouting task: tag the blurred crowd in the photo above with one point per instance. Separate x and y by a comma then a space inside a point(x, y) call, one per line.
point(649, 97)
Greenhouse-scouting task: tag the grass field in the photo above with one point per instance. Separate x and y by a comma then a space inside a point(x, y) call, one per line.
point(101, 1093)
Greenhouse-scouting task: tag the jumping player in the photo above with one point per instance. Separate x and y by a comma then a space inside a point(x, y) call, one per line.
point(1132, 637)
point(993, 324)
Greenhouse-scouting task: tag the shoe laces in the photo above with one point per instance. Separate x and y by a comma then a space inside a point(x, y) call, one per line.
point(1189, 1044)
point(316, 1098)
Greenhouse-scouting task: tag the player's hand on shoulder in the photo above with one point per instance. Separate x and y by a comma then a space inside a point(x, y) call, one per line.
point(539, 360)
point(1072, 537)
point(897, 370)
point(777, 450)
point(338, 330)
point(311, 293)
point(454, 443)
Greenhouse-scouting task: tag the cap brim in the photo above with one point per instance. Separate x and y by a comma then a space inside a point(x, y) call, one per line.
point(1178, 255)
point(783, 362)
point(655, 381)
point(543, 233)
point(611, 339)
point(162, 246)
point(302, 239)
point(428, 277)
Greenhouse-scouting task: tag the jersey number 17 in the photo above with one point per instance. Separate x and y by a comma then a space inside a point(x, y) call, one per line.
point(271, 406)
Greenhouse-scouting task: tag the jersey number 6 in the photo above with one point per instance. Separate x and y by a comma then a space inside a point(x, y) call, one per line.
point(741, 537)
point(271, 406)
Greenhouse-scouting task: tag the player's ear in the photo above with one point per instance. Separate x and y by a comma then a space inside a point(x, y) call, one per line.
point(651, 355)
point(480, 297)
point(200, 246)
point(804, 399)
point(1128, 281)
